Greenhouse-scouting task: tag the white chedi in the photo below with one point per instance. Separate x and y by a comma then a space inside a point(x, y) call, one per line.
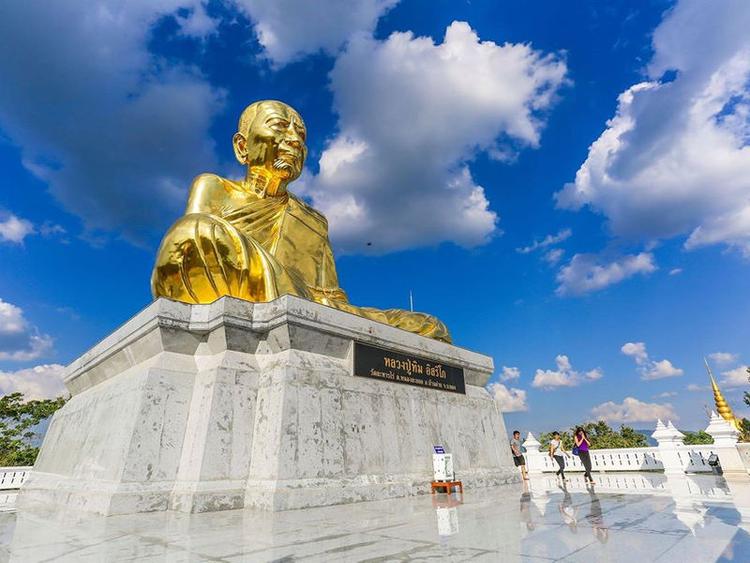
point(723, 433)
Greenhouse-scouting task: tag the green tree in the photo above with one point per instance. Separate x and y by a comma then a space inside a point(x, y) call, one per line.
point(17, 420)
point(565, 436)
point(744, 429)
point(602, 436)
point(700, 437)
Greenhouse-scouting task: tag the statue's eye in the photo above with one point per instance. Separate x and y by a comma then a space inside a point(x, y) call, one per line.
point(278, 124)
point(301, 132)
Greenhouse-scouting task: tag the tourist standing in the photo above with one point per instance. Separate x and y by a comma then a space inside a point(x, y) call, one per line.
point(518, 459)
point(558, 453)
point(582, 445)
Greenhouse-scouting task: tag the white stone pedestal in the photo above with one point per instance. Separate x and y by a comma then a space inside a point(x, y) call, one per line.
point(210, 407)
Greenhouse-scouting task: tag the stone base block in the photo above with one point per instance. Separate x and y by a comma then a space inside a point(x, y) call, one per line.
point(212, 407)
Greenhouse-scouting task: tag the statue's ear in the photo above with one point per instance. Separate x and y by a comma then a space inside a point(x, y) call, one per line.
point(239, 142)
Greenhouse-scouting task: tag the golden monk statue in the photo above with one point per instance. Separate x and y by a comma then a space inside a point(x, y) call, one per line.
point(254, 240)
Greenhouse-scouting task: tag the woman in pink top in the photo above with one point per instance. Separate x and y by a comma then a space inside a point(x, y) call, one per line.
point(583, 444)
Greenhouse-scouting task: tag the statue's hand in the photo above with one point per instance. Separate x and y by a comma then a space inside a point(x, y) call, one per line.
point(201, 258)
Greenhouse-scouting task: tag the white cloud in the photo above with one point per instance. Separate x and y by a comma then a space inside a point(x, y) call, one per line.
point(737, 377)
point(648, 368)
point(508, 399)
point(661, 369)
point(510, 373)
point(564, 375)
point(586, 273)
point(633, 410)
point(549, 240)
point(723, 358)
point(290, 29)
point(197, 23)
point(14, 229)
point(115, 132)
point(675, 271)
point(397, 174)
point(19, 340)
point(40, 382)
point(636, 350)
point(666, 395)
point(694, 387)
point(553, 256)
point(675, 158)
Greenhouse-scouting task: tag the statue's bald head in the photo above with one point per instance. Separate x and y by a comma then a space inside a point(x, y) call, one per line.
point(251, 112)
point(271, 134)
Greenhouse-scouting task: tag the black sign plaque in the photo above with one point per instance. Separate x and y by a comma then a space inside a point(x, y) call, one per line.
point(386, 365)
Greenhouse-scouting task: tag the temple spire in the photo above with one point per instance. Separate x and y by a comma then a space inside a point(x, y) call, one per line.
point(722, 407)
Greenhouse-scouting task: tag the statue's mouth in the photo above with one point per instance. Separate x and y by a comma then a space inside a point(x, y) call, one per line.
point(289, 155)
point(290, 160)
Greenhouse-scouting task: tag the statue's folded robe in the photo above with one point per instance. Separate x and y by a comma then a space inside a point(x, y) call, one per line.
point(259, 248)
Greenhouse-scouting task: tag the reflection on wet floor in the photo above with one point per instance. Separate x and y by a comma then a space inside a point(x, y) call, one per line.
point(624, 517)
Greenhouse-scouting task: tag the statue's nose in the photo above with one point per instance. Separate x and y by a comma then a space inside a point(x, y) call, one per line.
point(292, 137)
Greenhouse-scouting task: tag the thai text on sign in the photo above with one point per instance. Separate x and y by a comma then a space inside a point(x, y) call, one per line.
point(378, 363)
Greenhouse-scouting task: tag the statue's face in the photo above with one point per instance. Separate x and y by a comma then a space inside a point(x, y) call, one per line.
point(276, 140)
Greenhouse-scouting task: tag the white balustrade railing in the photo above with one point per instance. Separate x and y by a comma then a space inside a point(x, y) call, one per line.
point(616, 459)
point(670, 456)
point(13, 477)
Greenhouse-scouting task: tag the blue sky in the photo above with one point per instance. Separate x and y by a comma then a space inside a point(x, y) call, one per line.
point(566, 185)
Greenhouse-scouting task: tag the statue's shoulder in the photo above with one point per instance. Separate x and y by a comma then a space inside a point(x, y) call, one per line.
point(206, 192)
point(208, 181)
point(308, 210)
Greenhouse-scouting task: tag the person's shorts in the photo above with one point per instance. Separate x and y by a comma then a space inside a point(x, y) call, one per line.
point(519, 460)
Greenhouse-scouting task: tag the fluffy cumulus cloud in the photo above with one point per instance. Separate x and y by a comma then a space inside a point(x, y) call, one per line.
point(290, 29)
point(412, 114)
point(510, 373)
point(115, 132)
point(508, 399)
point(737, 377)
point(723, 358)
point(633, 410)
point(636, 350)
point(40, 382)
point(14, 229)
point(563, 376)
point(675, 158)
point(586, 273)
point(661, 369)
point(19, 339)
point(648, 368)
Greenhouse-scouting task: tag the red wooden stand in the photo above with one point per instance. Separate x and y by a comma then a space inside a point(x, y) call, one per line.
point(448, 486)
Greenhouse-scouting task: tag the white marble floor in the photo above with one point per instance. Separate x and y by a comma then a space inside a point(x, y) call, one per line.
point(625, 517)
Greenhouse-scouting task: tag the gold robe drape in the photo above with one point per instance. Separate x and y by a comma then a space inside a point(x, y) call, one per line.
point(259, 248)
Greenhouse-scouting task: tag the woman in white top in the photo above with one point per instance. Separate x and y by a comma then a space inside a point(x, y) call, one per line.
point(557, 451)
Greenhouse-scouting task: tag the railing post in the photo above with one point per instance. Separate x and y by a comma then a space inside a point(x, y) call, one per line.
point(669, 439)
point(534, 458)
point(725, 444)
